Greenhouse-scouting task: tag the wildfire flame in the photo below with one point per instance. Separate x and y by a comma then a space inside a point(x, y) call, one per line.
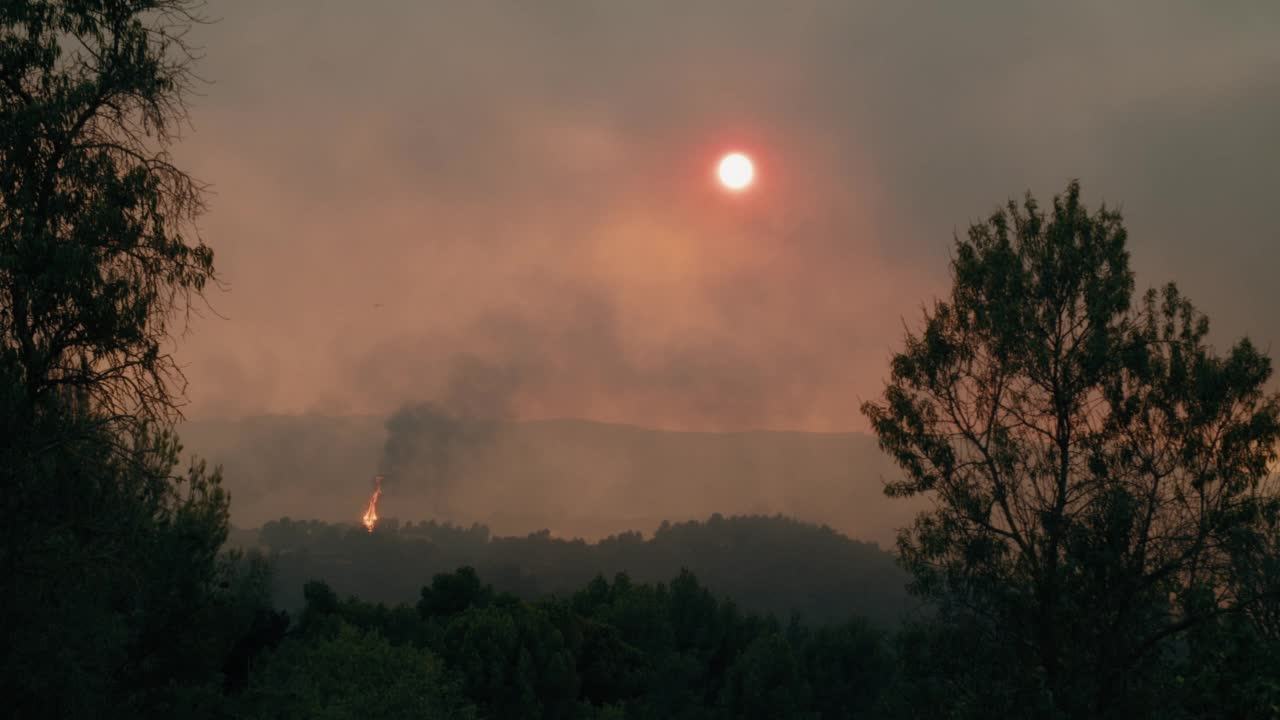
point(370, 518)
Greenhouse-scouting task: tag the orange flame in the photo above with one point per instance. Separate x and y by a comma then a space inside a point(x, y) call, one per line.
point(370, 518)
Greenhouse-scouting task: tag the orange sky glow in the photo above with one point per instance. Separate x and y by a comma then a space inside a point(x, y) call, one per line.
point(507, 209)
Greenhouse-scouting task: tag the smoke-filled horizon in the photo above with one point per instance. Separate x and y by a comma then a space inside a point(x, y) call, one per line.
point(575, 478)
point(507, 209)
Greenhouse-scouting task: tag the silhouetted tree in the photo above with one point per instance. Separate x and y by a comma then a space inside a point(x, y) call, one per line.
point(114, 597)
point(96, 250)
point(1096, 465)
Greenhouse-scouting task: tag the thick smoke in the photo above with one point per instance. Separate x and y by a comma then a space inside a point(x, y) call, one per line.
point(428, 443)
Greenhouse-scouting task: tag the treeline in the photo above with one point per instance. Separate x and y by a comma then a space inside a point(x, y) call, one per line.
point(766, 564)
point(623, 649)
point(613, 649)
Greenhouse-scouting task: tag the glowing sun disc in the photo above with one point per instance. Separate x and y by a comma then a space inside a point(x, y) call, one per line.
point(736, 171)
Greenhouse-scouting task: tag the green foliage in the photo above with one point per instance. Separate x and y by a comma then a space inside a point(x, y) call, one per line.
point(512, 656)
point(451, 594)
point(764, 681)
point(113, 583)
point(612, 649)
point(1227, 669)
point(846, 667)
point(346, 674)
point(1098, 467)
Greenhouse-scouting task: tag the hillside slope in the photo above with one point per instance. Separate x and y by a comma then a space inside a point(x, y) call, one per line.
point(575, 478)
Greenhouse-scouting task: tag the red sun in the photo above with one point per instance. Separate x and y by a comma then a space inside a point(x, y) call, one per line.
point(736, 171)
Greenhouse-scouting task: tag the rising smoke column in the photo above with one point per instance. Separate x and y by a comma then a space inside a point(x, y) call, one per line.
point(428, 443)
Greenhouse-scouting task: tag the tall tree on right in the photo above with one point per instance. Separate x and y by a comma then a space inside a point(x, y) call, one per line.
point(1097, 468)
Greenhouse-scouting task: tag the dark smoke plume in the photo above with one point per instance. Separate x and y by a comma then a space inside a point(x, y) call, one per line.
point(428, 442)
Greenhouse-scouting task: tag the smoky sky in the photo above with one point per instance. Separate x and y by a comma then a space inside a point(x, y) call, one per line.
point(403, 189)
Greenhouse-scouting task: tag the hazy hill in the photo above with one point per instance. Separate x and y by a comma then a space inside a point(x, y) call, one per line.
point(766, 564)
point(576, 478)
